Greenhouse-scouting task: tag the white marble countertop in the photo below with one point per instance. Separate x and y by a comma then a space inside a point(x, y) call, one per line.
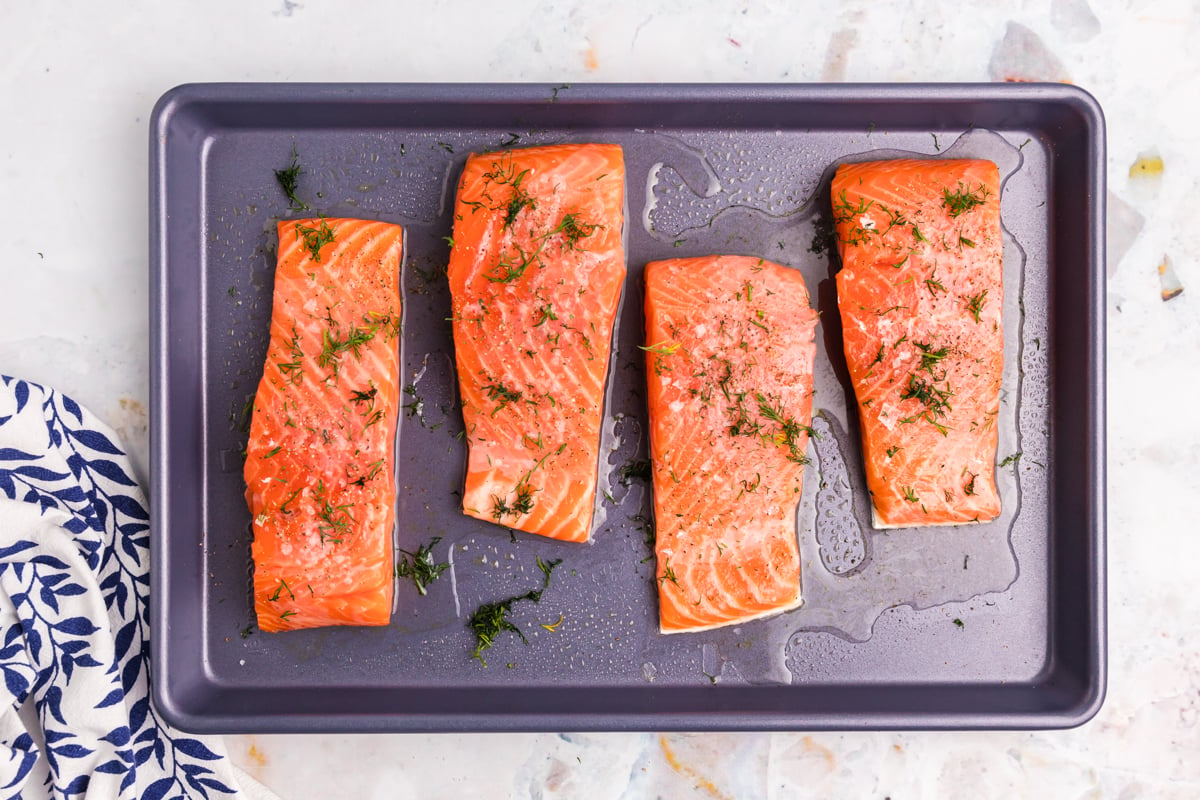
point(78, 82)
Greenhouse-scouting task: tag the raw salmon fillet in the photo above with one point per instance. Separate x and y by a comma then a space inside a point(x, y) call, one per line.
point(536, 270)
point(729, 371)
point(920, 295)
point(320, 462)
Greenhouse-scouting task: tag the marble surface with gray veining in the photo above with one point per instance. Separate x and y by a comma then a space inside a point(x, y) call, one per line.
point(77, 84)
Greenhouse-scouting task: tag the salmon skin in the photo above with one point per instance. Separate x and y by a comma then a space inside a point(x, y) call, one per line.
point(920, 294)
point(320, 463)
point(729, 371)
point(536, 270)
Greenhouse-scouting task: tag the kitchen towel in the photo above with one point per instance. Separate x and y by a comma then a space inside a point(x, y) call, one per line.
point(74, 623)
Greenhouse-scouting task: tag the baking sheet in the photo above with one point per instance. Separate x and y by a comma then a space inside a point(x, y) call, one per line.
point(995, 625)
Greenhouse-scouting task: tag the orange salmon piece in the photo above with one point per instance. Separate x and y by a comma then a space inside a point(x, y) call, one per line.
point(921, 295)
point(536, 271)
point(320, 463)
point(729, 371)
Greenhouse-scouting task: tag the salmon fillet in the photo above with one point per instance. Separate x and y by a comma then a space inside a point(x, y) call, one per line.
point(729, 371)
point(920, 295)
point(320, 463)
point(536, 271)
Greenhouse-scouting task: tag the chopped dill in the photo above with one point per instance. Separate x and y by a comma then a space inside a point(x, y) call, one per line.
point(933, 398)
point(501, 394)
point(508, 269)
point(315, 238)
point(930, 356)
point(373, 469)
point(660, 351)
point(910, 495)
point(668, 574)
point(289, 179)
point(293, 369)
point(367, 397)
point(335, 521)
point(975, 304)
point(634, 469)
point(518, 201)
point(334, 345)
point(963, 199)
point(933, 284)
point(491, 619)
point(420, 566)
point(283, 508)
point(282, 587)
point(789, 430)
point(572, 229)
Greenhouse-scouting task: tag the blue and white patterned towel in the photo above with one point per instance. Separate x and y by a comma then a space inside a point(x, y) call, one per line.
point(74, 625)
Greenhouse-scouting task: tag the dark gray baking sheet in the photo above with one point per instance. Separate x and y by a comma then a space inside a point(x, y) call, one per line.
point(996, 625)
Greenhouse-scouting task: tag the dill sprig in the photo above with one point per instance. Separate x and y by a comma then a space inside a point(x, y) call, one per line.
point(282, 587)
point(935, 399)
point(963, 199)
point(289, 179)
point(501, 394)
point(518, 201)
point(335, 520)
point(334, 345)
point(975, 304)
point(634, 469)
point(930, 356)
point(491, 619)
point(846, 212)
point(421, 566)
point(315, 238)
point(508, 269)
point(660, 351)
point(933, 284)
point(573, 230)
point(373, 469)
point(789, 430)
point(367, 397)
point(293, 370)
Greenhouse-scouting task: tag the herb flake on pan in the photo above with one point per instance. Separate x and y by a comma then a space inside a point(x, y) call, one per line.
point(491, 619)
point(1011, 459)
point(421, 566)
point(289, 178)
point(634, 469)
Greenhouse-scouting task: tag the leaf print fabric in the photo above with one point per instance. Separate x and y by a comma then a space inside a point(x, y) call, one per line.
point(74, 622)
